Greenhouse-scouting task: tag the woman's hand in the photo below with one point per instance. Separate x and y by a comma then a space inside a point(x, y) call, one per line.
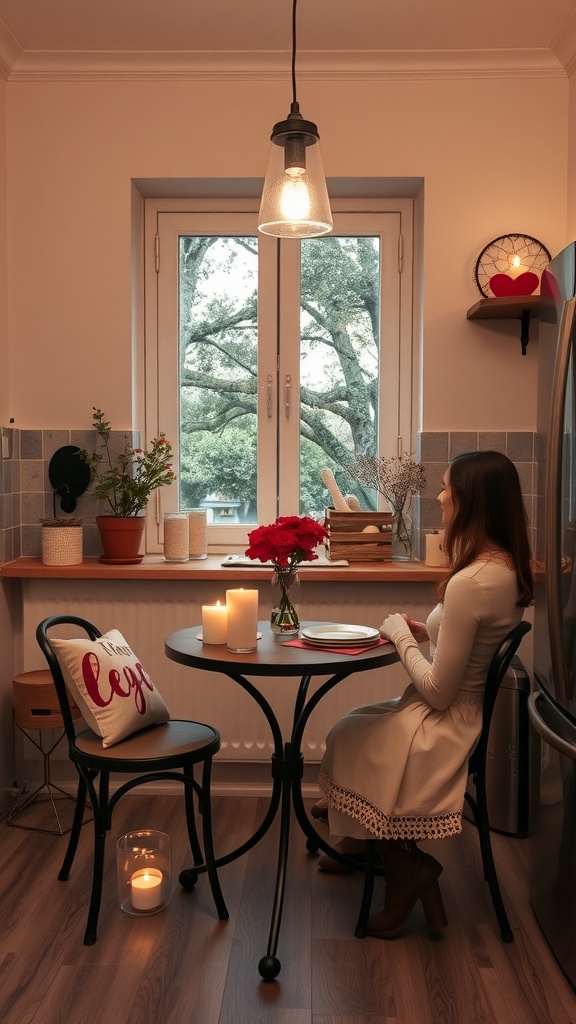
point(418, 630)
point(396, 623)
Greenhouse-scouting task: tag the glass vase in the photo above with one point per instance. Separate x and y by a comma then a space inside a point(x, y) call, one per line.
point(402, 527)
point(284, 617)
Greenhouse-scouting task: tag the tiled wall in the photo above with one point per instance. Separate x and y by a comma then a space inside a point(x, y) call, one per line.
point(26, 494)
point(435, 450)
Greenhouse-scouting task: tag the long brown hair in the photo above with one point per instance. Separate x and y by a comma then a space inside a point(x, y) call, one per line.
point(488, 506)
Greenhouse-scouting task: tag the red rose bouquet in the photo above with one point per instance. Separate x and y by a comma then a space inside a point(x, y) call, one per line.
point(286, 543)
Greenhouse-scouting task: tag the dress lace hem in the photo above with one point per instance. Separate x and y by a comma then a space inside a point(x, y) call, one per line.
point(386, 826)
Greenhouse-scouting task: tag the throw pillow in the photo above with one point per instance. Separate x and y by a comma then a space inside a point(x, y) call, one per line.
point(110, 685)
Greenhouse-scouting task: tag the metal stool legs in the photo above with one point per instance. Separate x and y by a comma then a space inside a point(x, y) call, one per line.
point(23, 800)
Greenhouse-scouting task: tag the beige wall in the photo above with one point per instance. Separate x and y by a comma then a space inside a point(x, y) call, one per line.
point(6, 593)
point(493, 155)
point(572, 159)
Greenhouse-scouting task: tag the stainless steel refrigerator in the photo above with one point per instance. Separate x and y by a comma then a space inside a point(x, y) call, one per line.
point(552, 705)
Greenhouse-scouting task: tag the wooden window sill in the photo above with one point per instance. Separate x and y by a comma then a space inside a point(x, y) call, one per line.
point(153, 567)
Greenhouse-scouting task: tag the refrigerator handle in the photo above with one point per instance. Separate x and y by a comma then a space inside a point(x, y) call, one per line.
point(548, 735)
point(553, 501)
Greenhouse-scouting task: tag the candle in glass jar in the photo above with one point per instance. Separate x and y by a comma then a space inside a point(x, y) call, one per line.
point(146, 889)
point(176, 536)
point(214, 623)
point(435, 554)
point(197, 533)
point(242, 619)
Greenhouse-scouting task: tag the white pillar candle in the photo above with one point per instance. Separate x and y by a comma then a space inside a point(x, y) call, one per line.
point(146, 889)
point(214, 623)
point(435, 554)
point(242, 619)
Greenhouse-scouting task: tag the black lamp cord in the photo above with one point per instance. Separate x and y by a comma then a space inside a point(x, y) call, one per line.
point(294, 101)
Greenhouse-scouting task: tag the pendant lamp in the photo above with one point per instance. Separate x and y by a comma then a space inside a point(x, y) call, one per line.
point(295, 200)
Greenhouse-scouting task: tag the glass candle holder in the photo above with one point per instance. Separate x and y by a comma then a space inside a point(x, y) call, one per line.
point(143, 864)
point(197, 533)
point(176, 536)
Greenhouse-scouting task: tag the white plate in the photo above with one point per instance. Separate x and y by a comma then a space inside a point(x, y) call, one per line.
point(340, 634)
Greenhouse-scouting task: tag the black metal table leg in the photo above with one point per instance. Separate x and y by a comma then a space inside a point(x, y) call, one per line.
point(289, 769)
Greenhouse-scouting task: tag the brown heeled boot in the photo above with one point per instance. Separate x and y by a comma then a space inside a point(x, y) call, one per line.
point(320, 809)
point(350, 847)
point(411, 875)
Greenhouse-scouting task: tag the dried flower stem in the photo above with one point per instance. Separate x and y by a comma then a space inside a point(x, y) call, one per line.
point(397, 479)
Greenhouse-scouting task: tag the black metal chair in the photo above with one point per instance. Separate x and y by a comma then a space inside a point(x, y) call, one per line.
point(149, 755)
point(477, 769)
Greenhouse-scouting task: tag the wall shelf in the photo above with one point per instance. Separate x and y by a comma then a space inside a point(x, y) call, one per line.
point(509, 307)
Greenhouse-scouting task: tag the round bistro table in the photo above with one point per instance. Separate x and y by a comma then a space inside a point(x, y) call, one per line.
point(274, 656)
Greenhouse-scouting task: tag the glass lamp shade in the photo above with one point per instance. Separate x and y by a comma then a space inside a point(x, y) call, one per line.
point(295, 200)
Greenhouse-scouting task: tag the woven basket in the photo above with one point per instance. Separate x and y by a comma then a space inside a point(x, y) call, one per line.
point(61, 545)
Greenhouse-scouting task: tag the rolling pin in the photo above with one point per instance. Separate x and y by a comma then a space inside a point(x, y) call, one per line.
point(340, 503)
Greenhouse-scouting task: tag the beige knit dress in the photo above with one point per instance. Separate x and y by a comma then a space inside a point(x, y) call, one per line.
point(398, 770)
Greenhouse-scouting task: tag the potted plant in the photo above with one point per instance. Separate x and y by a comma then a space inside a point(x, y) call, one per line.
point(125, 481)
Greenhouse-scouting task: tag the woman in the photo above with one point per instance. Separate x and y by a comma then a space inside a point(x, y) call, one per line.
point(397, 771)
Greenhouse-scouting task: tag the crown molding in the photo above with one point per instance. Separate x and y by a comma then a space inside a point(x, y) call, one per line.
point(10, 50)
point(44, 65)
point(564, 46)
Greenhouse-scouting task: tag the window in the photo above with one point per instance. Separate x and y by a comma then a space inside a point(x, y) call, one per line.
point(268, 361)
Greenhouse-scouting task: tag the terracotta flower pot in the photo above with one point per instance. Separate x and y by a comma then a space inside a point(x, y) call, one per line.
point(121, 538)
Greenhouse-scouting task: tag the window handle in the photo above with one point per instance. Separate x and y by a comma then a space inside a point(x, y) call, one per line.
point(269, 383)
point(287, 385)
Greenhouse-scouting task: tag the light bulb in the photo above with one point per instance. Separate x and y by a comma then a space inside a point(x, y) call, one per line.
point(295, 199)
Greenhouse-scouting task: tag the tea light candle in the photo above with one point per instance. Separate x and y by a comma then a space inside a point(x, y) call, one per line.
point(242, 620)
point(435, 554)
point(214, 623)
point(146, 889)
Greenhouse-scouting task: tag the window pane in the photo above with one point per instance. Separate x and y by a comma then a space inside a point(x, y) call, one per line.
point(218, 335)
point(339, 363)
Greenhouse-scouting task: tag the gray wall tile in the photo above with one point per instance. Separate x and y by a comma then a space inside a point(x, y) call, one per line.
point(492, 440)
point(432, 447)
point(31, 444)
point(520, 446)
point(462, 441)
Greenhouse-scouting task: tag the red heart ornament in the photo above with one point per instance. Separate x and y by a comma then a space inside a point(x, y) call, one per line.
point(524, 284)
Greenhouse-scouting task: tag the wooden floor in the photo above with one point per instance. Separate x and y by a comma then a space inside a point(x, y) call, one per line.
point(183, 966)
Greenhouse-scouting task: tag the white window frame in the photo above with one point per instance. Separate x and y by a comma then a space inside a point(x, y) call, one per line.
point(164, 221)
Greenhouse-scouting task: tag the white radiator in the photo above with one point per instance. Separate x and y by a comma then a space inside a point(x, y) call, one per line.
point(146, 612)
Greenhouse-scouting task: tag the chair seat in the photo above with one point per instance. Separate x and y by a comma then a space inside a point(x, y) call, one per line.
point(168, 743)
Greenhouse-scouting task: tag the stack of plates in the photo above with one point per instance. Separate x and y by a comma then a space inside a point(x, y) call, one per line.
point(333, 634)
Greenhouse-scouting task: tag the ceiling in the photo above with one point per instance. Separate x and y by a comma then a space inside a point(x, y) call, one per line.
point(37, 35)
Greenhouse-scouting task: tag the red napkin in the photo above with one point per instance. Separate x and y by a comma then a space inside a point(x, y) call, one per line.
point(334, 650)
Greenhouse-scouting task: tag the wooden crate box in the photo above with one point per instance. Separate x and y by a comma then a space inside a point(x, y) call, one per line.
point(347, 539)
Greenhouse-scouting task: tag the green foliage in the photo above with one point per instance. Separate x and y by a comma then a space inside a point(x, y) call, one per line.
point(219, 363)
point(127, 480)
point(221, 464)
